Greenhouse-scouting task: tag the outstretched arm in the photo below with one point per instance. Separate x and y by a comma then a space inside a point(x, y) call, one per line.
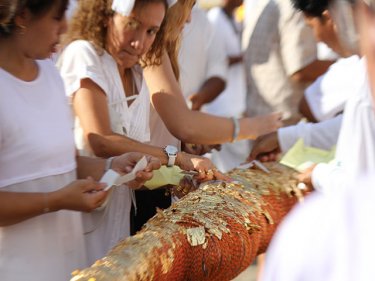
point(194, 126)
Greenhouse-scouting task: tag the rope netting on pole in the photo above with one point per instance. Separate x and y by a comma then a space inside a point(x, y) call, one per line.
point(213, 233)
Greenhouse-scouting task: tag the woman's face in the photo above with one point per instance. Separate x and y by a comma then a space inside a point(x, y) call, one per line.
point(129, 38)
point(40, 37)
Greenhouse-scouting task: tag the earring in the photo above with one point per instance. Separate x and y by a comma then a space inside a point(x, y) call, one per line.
point(22, 29)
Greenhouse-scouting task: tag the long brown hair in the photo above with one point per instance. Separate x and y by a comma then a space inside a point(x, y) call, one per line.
point(175, 19)
point(90, 22)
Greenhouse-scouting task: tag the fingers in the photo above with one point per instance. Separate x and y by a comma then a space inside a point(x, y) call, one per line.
point(211, 174)
point(153, 163)
point(219, 176)
point(186, 185)
point(275, 121)
point(89, 185)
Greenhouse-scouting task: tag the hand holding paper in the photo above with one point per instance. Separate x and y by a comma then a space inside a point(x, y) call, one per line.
point(140, 167)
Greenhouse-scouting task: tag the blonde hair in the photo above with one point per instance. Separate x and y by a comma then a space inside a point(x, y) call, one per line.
point(90, 23)
point(174, 21)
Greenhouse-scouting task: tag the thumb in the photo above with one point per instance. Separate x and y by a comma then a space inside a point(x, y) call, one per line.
point(89, 184)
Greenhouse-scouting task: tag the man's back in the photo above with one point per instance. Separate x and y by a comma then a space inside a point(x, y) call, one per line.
point(277, 44)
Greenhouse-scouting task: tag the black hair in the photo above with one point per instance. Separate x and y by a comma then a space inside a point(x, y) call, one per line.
point(10, 9)
point(314, 8)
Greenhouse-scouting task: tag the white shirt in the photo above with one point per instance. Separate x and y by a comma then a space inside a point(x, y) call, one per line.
point(232, 101)
point(42, 146)
point(355, 147)
point(329, 237)
point(201, 55)
point(273, 53)
point(37, 154)
point(79, 60)
point(322, 135)
point(327, 96)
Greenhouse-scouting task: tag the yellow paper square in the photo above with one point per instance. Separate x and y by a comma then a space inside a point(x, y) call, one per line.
point(300, 157)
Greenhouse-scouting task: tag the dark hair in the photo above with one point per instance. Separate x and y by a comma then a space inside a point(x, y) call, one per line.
point(7, 11)
point(314, 8)
point(10, 9)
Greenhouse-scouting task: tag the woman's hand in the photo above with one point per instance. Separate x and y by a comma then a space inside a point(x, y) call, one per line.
point(186, 185)
point(263, 124)
point(80, 195)
point(125, 163)
point(266, 148)
point(206, 169)
point(305, 177)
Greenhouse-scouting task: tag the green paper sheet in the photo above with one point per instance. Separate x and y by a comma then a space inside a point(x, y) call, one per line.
point(301, 157)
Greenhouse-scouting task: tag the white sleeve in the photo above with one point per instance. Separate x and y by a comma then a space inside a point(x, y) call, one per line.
point(328, 178)
point(78, 61)
point(327, 96)
point(322, 135)
point(217, 63)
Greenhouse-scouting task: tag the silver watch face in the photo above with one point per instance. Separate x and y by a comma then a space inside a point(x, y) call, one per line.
point(171, 150)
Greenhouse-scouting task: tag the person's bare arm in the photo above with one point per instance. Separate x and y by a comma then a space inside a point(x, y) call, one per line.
point(16, 207)
point(305, 110)
point(209, 91)
point(312, 71)
point(90, 106)
point(194, 126)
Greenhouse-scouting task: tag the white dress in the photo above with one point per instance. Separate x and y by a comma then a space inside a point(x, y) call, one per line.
point(105, 228)
point(37, 154)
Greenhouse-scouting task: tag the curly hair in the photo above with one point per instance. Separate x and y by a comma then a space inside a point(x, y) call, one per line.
point(90, 22)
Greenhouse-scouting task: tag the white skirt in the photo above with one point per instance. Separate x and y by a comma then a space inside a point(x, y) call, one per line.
point(44, 248)
point(105, 228)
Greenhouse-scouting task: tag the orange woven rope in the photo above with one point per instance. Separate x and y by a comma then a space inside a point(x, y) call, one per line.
point(211, 234)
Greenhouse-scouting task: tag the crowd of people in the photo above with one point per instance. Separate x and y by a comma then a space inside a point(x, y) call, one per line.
point(90, 86)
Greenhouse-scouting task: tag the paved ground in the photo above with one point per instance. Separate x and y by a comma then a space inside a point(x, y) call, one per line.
point(248, 275)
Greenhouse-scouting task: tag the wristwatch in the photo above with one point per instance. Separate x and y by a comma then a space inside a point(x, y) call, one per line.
point(171, 152)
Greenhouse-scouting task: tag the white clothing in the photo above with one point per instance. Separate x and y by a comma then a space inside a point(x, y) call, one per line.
point(37, 154)
point(79, 60)
point(249, 7)
point(328, 238)
point(325, 52)
point(322, 135)
point(327, 96)
point(232, 101)
point(355, 147)
point(19, 115)
point(272, 54)
point(202, 54)
point(71, 9)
